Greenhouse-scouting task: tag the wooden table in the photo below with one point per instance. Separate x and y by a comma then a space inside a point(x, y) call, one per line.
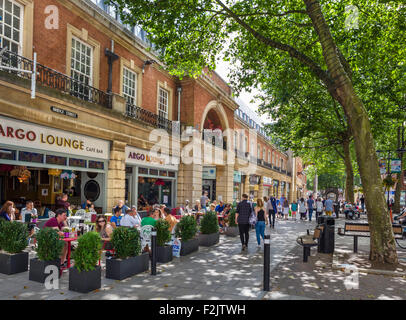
point(69, 242)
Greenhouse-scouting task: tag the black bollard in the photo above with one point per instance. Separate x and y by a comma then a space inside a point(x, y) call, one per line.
point(153, 249)
point(267, 261)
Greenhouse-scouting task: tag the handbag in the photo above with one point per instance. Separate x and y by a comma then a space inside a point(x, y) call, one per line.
point(253, 216)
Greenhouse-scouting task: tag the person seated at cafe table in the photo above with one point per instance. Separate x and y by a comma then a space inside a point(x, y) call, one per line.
point(171, 219)
point(220, 207)
point(121, 206)
point(150, 220)
point(62, 202)
point(7, 212)
point(58, 223)
point(87, 205)
point(115, 220)
point(130, 220)
point(29, 209)
point(105, 230)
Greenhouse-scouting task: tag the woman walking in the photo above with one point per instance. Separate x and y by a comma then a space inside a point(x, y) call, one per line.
point(262, 219)
point(286, 209)
point(302, 209)
point(319, 208)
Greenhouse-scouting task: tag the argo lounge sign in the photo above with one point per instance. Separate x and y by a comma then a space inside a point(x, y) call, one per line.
point(24, 134)
point(145, 158)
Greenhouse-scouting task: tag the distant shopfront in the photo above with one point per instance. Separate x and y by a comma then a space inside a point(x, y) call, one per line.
point(39, 163)
point(237, 185)
point(267, 184)
point(254, 181)
point(209, 182)
point(150, 179)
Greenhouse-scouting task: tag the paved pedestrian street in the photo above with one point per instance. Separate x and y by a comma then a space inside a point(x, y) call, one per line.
point(223, 272)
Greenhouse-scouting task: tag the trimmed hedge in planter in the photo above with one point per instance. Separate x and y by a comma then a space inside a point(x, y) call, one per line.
point(13, 240)
point(127, 261)
point(186, 229)
point(163, 236)
point(85, 275)
point(49, 250)
point(209, 228)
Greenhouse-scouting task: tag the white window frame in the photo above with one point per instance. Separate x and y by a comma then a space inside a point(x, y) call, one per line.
point(160, 111)
point(21, 26)
point(127, 96)
point(91, 61)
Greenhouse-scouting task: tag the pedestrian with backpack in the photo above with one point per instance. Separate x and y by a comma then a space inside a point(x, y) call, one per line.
point(272, 211)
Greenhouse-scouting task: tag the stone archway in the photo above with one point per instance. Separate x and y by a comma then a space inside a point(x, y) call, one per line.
point(330, 191)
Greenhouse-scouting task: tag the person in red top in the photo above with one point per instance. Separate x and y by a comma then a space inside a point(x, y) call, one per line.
point(58, 223)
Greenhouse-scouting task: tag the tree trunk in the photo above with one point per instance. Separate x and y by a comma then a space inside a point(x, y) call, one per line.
point(382, 242)
point(349, 173)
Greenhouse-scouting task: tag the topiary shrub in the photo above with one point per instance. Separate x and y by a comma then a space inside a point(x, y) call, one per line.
point(163, 235)
point(126, 242)
point(209, 223)
point(87, 253)
point(13, 236)
point(186, 228)
point(49, 244)
point(231, 218)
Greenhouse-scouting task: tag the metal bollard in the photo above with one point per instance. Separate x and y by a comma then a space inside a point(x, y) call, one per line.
point(267, 261)
point(153, 249)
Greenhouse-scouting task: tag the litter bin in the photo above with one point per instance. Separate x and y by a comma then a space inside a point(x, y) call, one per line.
point(328, 236)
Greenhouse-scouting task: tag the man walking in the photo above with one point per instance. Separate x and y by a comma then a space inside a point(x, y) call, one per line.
point(310, 204)
point(203, 200)
point(242, 216)
point(272, 211)
point(328, 207)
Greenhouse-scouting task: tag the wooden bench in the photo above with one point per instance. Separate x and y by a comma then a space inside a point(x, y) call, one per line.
point(358, 229)
point(310, 240)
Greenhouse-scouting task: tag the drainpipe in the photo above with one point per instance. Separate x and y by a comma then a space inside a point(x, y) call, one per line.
point(179, 89)
point(111, 56)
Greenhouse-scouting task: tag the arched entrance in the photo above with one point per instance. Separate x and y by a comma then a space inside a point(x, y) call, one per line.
point(217, 179)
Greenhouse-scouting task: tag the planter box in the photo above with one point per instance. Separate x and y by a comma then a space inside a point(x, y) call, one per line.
point(118, 269)
point(164, 254)
point(85, 281)
point(37, 269)
point(189, 246)
point(11, 263)
point(208, 240)
point(232, 231)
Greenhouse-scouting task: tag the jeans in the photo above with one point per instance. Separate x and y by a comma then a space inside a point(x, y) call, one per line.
point(260, 231)
point(310, 214)
point(272, 217)
point(244, 233)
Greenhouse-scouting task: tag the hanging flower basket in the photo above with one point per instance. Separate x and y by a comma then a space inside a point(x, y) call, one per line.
point(68, 174)
point(21, 173)
point(159, 182)
point(389, 182)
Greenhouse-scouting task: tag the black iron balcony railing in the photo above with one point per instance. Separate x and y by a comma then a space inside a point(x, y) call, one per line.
point(149, 117)
point(54, 79)
point(276, 168)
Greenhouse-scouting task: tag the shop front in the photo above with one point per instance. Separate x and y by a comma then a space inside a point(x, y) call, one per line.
point(39, 163)
point(149, 179)
point(237, 185)
point(209, 182)
point(275, 188)
point(283, 188)
point(267, 184)
point(254, 181)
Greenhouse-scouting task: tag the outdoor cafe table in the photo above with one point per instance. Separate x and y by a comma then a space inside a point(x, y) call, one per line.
point(69, 242)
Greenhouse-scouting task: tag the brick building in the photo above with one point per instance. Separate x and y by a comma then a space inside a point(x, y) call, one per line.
point(101, 93)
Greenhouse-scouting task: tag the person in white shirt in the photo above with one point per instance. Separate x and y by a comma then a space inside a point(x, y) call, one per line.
point(131, 219)
point(29, 209)
point(302, 209)
point(319, 208)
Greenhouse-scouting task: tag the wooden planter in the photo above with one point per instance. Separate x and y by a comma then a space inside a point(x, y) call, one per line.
point(208, 240)
point(189, 246)
point(37, 269)
point(164, 254)
point(11, 263)
point(232, 231)
point(119, 269)
point(85, 281)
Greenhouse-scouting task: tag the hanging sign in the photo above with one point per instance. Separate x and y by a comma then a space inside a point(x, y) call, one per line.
point(382, 166)
point(237, 176)
point(396, 166)
point(209, 173)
